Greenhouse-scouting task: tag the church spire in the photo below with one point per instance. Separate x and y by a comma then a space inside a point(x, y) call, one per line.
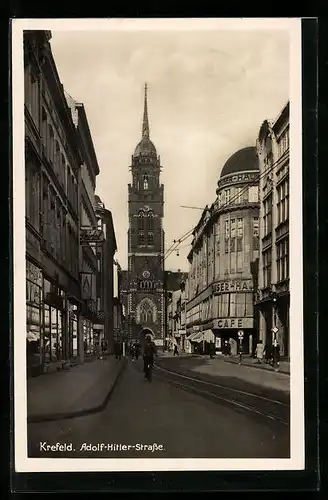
point(145, 123)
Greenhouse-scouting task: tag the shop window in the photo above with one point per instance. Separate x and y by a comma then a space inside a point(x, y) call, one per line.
point(53, 333)
point(47, 336)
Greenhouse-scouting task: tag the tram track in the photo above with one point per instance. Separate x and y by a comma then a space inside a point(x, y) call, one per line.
point(258, 405)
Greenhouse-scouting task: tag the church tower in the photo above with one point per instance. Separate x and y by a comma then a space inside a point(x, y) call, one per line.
point(145, 286)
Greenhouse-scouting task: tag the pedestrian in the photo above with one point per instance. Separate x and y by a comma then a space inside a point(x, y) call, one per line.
point(276, 354)
point(259, 351)
point(175, 352)
point(267, 353)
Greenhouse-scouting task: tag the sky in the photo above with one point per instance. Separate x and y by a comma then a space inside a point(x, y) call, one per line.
point(208, 94)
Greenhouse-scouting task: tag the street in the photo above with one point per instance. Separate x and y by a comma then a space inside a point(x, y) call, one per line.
point(185, 416)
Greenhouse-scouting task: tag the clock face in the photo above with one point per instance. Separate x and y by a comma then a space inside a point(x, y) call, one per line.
point(146, 274)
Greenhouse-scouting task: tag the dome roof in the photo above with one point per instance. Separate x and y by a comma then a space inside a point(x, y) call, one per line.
point(145, 148)
point(241, 161)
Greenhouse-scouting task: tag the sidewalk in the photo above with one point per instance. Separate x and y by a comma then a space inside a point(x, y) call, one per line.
point(217, 367)
point(83, 389)
point(284, 366)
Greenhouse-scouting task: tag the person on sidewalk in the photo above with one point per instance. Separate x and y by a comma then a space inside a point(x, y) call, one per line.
point(259, 351)
point(175, 352)
point(275, 354)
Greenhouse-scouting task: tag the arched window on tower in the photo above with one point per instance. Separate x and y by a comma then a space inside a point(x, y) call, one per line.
point(150, 221)
point(146, 312)
point(141, 220)
point(145, 181)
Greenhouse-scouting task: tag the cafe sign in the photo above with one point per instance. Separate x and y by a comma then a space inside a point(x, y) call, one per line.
point(230, 323)
point(232, 286)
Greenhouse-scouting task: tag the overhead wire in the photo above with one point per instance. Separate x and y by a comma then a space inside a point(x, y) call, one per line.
point(219, 209)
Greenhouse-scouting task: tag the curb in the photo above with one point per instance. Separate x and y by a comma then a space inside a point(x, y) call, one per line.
point(79, 413)
point(256, 367)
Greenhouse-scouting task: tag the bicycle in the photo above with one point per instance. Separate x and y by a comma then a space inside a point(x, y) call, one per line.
point(149, 372)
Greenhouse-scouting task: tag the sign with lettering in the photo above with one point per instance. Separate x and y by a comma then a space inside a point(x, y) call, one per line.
point(232, 286)
point(233, 179)
point(223, 323)
point(91, 235)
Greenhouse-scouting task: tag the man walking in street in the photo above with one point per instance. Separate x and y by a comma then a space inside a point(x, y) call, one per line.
point(148, 355)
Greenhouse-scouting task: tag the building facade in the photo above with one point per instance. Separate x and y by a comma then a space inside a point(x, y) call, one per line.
point(224, 249)
point(145, 277)
point(273, 297)
point(52, 178)
point(176, 319)
point(105, 251)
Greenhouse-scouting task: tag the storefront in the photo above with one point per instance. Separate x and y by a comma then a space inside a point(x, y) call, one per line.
point(88, 337)
point(33, 319)
point(56, 338)
point(227, 330)
point(73, 329)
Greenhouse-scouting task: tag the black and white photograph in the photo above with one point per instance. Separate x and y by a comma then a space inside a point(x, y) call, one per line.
point(158, 316)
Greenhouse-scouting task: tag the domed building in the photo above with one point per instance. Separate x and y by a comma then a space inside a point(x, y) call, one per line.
point(223, 258)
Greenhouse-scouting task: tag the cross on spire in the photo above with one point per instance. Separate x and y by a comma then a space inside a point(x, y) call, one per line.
point(145, 123)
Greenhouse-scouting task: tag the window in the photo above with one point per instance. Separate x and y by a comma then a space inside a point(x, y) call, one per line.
point(150, 222)
point(282, 204)
point(51, 143)
point(232, 311)
point(145, 181)
point(283, 259)
point(227, 235)
point(283, 142)
point(141, 239)
point(255, 233)
point(253, 194)
point(226, 196)
point(267, 217)
point(218, 238)
point(267, 256)
point(224, 305)
point(146, 312)
point(140, 223)
point(150, 238)
point(240, 305)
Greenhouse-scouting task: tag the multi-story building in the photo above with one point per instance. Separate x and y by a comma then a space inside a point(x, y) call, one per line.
point(224, 249)
point(174, 282)
point(145, 279)
point(273, 283)
point(176, 319)
point(90, 314)
point(105, 251)
point(119, 330)
point(52, 165)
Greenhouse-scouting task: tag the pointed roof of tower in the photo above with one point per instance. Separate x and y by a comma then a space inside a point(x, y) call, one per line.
point(145, 146)
point(145, 123)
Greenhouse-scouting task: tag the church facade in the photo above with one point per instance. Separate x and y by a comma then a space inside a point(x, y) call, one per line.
point(144, 284)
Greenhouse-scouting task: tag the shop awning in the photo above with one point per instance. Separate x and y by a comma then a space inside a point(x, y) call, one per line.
point(209, 336)
point(195, 337)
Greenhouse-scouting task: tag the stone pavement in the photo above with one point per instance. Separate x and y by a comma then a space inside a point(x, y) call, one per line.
point(83, 389)
point(284, 366)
